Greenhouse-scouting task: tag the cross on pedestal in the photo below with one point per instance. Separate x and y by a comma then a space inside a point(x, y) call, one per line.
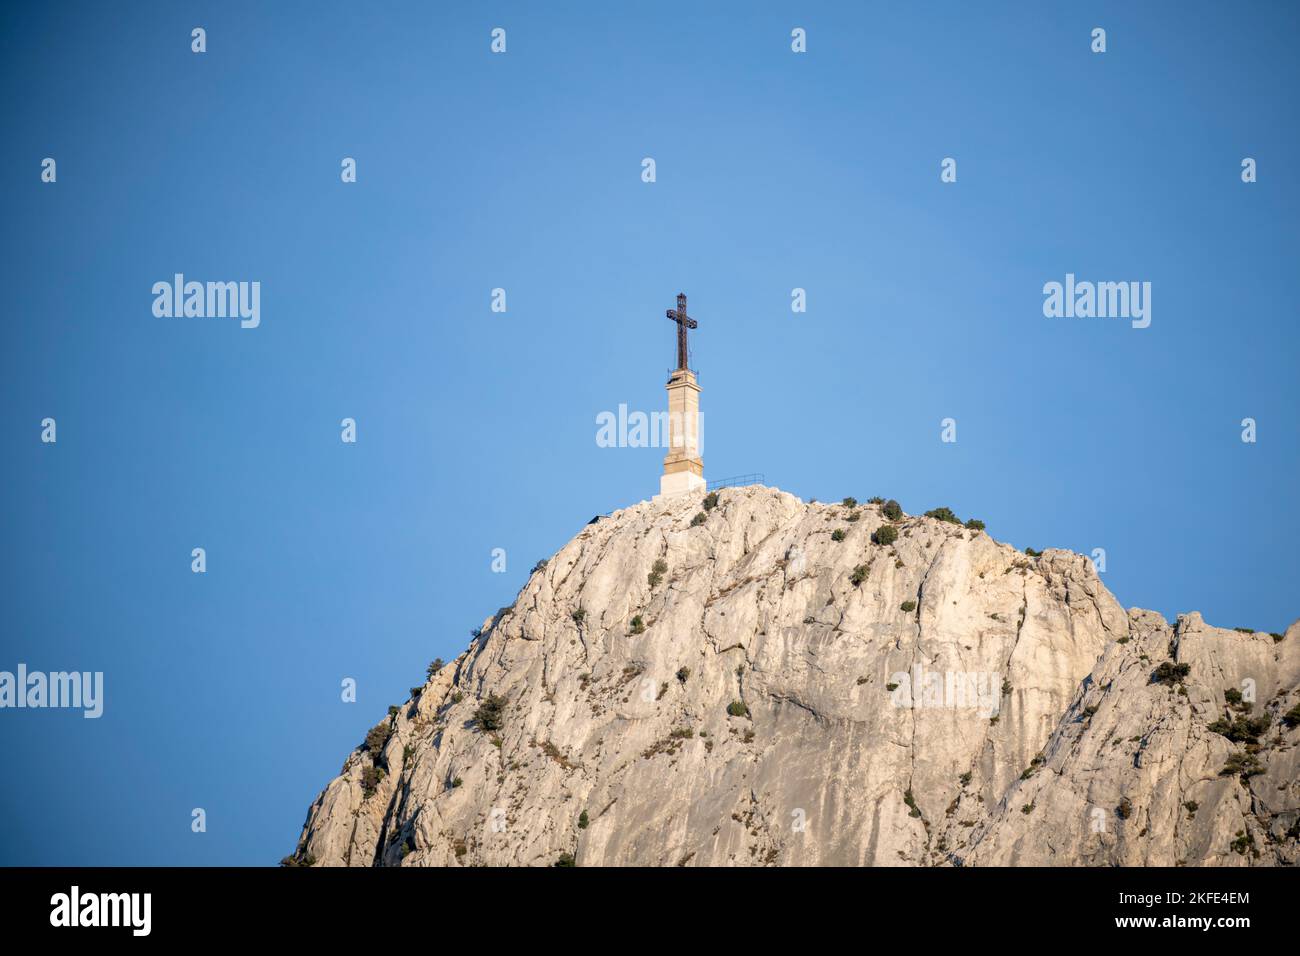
point(684, 322)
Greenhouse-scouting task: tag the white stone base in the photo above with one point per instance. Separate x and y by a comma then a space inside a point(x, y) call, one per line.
point(680, 483)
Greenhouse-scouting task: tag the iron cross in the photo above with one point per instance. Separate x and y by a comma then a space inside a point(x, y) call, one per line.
point(684, 322)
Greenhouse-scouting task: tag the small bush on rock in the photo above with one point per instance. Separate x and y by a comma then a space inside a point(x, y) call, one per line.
point(1170, 673)
point(490, 713)
point(1241, 729)
point(370, 778)
point(943, 514)
point(377, 737)
point(657, 572)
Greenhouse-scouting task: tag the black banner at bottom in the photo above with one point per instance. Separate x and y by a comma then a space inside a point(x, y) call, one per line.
point(332, 905)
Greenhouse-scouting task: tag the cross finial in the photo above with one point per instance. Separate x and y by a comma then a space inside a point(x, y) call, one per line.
point(684, 322)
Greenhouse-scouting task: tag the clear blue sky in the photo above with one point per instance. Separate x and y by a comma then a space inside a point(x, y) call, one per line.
point(477, 430)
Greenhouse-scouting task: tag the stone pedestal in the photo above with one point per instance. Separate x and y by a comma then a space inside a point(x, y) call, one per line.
point(683, 466)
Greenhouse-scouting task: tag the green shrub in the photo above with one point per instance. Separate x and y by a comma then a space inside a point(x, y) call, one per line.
point(377, 737)
point(456, 782)
point(1232, 696)
point(853, 516)
point(964, 778)
point(1170, 673)
point(1033, 553)
point(911, 803)
point(370, 778)
point(875, 500)
point(891, 687)
point(837, 534)
point(1244, 842)
point(892, 510)
point(583, 820)
point(566, 859)
point(1125, 809)
point(908, 606)
point(638, 625)
point(699, 519)
point(579, 616)
point(433, 668)
point(886, 534)
point(393, 709)
point(859, 575)
point(683, 673)
point(710, 501)
point(1292, 717)
point(1241, 729)
point(974, 524)
point(1242, 765)
point(657, 572)
point(540, 565)
point(850, 502)
point(943, 514)
point(490, 713)
point(737, 708)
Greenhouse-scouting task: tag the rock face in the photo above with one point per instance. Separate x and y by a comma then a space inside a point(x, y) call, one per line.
point(784, 690)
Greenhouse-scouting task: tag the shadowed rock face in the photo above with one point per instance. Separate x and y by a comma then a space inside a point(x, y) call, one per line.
point(1008, 717)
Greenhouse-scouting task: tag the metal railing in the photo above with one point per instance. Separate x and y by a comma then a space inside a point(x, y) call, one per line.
point(754, 478)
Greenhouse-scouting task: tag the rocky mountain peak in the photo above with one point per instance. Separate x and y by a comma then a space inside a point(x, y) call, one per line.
point(749, 679)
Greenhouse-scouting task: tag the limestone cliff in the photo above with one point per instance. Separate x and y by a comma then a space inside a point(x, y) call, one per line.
point(764, 683)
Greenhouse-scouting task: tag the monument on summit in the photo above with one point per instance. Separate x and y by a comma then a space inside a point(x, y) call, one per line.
point(683, 466)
